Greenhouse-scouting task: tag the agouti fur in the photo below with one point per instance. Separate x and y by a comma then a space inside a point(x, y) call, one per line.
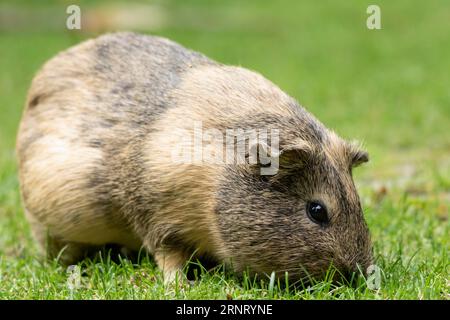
point(96, 165)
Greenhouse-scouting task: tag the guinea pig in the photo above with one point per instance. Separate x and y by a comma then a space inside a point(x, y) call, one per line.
point(97, 149)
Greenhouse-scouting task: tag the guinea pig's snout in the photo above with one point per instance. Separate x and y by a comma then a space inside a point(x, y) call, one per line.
point(346, 275)
point(350, 274)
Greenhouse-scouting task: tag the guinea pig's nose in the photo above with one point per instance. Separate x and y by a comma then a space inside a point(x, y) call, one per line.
point(349, 275)
point(346, 276)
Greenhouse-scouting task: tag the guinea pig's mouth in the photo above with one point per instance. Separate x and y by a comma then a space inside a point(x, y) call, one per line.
point(336, 277)
point(300, 278)
point(347, 277)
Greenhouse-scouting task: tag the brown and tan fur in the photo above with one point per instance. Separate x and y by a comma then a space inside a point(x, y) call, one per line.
point(94, 149)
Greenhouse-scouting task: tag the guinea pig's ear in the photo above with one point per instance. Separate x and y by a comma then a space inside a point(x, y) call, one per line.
point(357, 155)
point(295, 155)
point(268, 160)
point(259, 154)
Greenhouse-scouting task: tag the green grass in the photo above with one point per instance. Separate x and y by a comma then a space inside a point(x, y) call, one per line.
point(388, 88)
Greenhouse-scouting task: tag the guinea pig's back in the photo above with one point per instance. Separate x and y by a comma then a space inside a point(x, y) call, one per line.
point(116, 81)
point(86, 108)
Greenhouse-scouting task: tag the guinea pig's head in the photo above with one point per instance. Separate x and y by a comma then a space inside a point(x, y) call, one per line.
point(305, 219)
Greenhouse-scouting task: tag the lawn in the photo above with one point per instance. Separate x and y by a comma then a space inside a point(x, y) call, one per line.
point(389, 88)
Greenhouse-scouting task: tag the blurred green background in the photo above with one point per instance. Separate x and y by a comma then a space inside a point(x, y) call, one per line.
point(389, 88)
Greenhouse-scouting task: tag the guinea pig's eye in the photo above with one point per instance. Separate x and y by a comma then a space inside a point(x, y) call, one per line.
point(317, 212)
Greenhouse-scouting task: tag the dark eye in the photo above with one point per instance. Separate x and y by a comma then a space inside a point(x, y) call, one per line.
point(317, 212)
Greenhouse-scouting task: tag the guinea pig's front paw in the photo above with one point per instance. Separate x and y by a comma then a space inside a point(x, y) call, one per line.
point(171, 263)
point(174, 276)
